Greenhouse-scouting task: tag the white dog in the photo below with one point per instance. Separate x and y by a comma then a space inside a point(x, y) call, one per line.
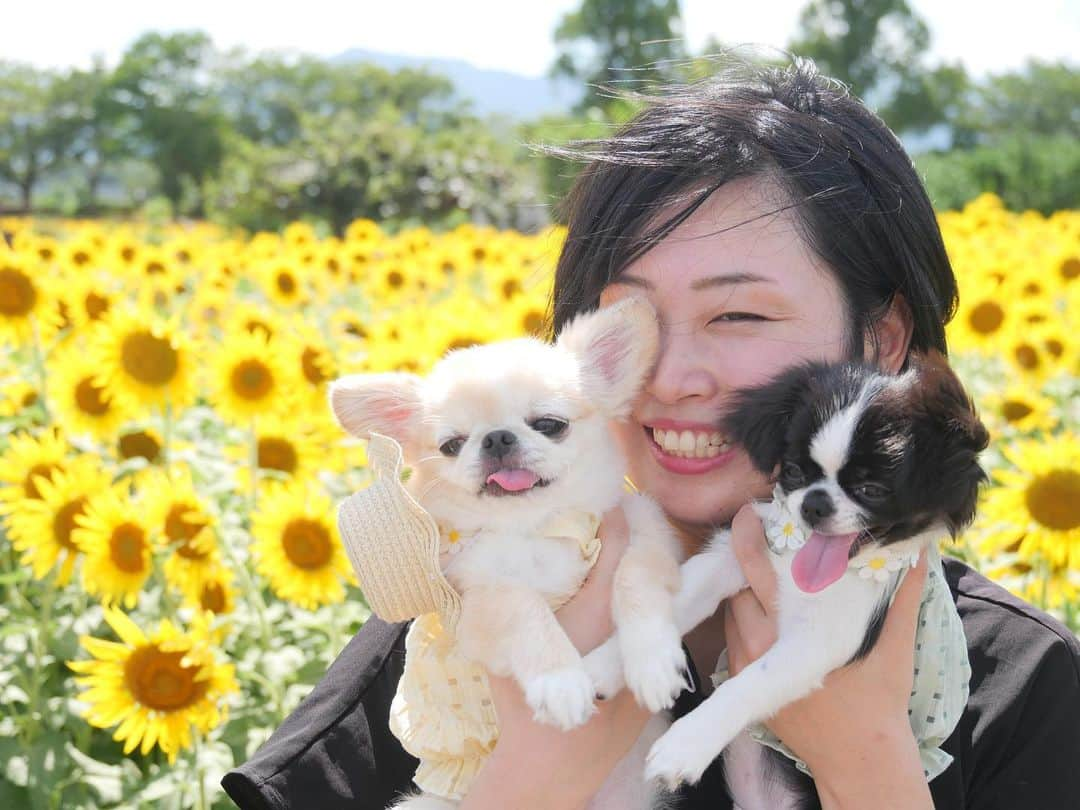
point(503, 440)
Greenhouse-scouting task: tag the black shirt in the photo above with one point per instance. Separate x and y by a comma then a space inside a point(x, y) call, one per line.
point(1017, 745)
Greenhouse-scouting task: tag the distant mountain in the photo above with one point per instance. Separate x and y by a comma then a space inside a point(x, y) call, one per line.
point(497, 92)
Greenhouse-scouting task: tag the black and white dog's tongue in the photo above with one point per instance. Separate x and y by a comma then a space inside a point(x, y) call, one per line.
point(822, 561)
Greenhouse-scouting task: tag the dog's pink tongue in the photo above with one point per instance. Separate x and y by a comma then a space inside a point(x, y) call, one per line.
point(822, 561)
point(513, 480)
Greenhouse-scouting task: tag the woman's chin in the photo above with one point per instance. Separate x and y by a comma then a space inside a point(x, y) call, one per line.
point(709, 498)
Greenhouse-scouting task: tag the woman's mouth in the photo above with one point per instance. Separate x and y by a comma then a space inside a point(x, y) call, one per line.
point(688, 451)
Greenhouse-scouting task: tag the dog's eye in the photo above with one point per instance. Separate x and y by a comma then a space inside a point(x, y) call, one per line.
point(792, 474)
point(451, 447)
point(871, 492)
point(550, 426)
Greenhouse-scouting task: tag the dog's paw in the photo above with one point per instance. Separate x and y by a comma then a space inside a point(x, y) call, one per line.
point(681, 755)
point(561, 698)
point(604, 665)
point(655, 666)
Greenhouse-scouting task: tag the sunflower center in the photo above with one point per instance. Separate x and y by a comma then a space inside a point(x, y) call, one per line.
point(150, 360)
point(277, 454)
point(96, 305)
point(1026, 356)
point(64, 522)
point(986, 318)
point(212, 597)
point(29, 486)
point(180, 529)
point(1014, 411)
point(312, 371)
point(89, 398)
point(159, 681)
point(1053, 499)
point(533, 323)
point(126, 548)
point(306, 543)
point(154, 268)
point(1070, 268)
point(510, 288)
point(139, 444)
point(395, 279)
point(251, 379)
point(254, 326)
point(17, 294)
point(286, 283)
point(1055, 347)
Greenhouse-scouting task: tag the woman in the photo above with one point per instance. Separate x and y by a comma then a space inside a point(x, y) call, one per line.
point(770, 218)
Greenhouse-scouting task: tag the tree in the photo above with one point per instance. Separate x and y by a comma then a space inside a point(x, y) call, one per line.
point(162, 85)
point(38, 126)
point(878, 47)
point(617, 42)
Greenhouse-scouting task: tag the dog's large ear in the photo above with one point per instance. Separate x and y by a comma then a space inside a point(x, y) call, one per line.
point(379, 403)
point(953, 435)
point(616, 347)
point(758, 418)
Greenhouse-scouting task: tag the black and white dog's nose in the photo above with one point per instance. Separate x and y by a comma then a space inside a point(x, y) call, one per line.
point(816, 506)
point(498, 443)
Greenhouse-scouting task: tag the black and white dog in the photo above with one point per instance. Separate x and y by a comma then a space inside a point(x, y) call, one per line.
point(872, 469)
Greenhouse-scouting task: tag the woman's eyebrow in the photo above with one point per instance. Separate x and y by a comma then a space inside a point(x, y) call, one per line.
point(724, 280)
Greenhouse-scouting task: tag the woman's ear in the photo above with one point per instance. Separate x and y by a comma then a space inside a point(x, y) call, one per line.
point(888, 346)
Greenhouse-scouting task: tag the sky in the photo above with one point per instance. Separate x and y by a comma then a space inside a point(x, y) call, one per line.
point(502, 34)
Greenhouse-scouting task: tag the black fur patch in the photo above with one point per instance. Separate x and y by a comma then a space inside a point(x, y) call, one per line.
point(873, 627)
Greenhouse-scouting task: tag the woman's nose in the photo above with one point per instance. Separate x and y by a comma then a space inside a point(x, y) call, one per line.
point(682, 371)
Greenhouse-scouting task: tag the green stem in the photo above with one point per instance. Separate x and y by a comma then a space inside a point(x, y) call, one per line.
point(39, 365)
point(200, 795)
point(42, 632)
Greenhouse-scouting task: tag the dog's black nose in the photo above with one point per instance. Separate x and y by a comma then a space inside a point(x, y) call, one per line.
point(816, 506)
point(498, 443)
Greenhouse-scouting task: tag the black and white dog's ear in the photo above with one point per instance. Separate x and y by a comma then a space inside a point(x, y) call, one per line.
point(947, 429)
point(758, 418)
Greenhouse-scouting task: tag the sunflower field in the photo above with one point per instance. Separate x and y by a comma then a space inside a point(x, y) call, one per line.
point(173, 583)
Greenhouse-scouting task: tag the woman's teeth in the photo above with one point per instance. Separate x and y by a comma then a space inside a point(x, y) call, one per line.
point(689, 443)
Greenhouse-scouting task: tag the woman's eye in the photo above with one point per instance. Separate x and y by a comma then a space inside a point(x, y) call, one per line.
point(549, 426)
point(872, 492)
point(736, 317)
point(451, 447)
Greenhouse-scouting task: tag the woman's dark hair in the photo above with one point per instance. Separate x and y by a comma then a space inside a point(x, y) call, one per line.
point(854, 193)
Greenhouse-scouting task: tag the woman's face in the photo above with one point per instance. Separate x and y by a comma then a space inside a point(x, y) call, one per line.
point(739, 299)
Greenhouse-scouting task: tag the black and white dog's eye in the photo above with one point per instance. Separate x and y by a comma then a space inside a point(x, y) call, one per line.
point(792, 474)
point(871, 492)
point(550, 426)
point(451, 447)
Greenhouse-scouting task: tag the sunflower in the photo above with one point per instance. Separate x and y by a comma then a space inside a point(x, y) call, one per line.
point(312, 360)
point(1050, 586)
point(17, 396)
point(215, 592)
point(983, 317)
point(24, 299)
point(183, 523)
point(157, 687)
point(346, 325)
point(40, 528)
point(297, 546)
point(145, 360)
point(27, 460)
point(1038, 499)
point(115, 537)
point(79, 402)
point(284, 282)
point(1021, 408)
point(249, 377)
point(286, 449)
point(140, 442)
point(254, 318)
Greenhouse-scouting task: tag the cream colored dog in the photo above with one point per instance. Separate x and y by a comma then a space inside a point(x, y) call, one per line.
point(505, 441)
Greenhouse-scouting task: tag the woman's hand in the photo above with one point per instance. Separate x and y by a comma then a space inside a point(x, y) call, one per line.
point(538, 766)
point(854, 733)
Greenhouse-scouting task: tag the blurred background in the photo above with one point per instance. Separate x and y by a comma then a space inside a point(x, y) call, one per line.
point(422, 112)
point(210, 210)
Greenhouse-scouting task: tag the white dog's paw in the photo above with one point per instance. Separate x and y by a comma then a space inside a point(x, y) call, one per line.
point(604, 665)
point(655, 667)
point(562, 698)
point(681, 755)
